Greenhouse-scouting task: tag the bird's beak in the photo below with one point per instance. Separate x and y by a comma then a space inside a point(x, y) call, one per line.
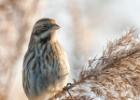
point(55, 26)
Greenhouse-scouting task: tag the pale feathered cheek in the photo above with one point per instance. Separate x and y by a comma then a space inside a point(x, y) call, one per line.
point(44, 34)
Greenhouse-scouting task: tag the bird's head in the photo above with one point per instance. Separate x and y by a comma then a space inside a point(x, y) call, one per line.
point(44, 29)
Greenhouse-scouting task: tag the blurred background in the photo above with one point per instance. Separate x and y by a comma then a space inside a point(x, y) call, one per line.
point(86, 27)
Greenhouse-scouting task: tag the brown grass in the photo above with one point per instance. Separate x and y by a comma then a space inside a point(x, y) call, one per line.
point(114, 76)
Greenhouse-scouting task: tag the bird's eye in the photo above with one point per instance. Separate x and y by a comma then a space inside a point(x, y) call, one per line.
point(46, 27)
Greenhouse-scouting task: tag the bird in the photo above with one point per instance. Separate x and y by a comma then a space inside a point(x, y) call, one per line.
point(45, 65)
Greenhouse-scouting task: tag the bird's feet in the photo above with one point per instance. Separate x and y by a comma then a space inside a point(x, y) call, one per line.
point(67, 87)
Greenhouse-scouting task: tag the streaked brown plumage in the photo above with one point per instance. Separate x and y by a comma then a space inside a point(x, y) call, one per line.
point(45, 67)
